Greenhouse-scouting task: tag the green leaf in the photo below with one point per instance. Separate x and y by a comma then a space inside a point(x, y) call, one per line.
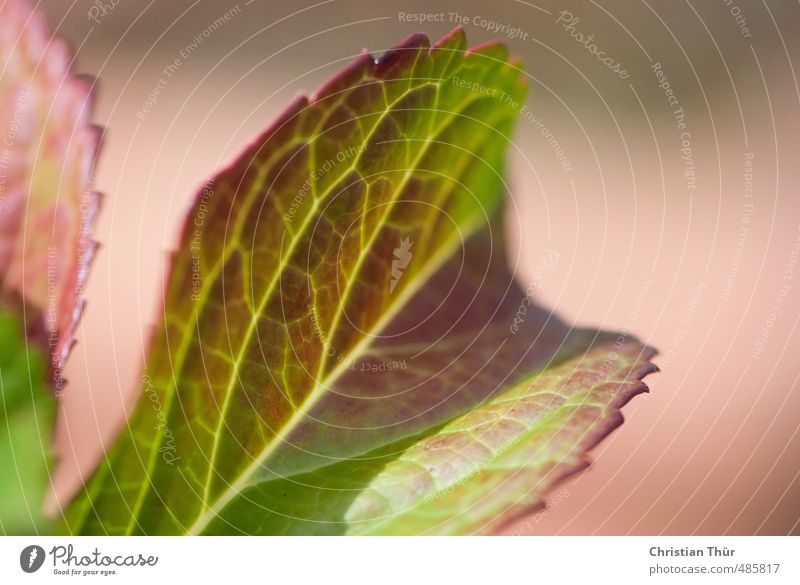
point(497, 462)
point(47, 212)
point(47, 207)
point(26, 420)
point(340, 294)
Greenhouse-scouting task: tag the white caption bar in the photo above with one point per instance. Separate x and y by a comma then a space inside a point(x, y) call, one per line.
point(401, 560)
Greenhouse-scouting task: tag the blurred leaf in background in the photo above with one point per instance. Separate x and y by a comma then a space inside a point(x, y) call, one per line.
point(26, 419)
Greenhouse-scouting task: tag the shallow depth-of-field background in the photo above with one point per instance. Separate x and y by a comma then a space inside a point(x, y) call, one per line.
point(687, 236)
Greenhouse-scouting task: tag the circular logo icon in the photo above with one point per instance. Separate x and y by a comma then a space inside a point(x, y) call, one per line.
point(31, 558)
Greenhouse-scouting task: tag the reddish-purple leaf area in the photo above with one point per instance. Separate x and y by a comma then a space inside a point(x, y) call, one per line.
point(47, 152)
point(342, 339)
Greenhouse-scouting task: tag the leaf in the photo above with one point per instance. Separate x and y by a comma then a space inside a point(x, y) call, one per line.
point(47, 208)
point(47, 150)
point(498, 461)
point(26, 417)
point(339, 295)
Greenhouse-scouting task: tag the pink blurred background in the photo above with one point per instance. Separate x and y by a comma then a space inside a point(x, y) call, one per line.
point(704, 268)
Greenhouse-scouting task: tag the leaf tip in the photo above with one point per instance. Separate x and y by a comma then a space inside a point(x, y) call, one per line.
point(455, 40)
point(344, 78)
point(402, 55)
point(491, 49)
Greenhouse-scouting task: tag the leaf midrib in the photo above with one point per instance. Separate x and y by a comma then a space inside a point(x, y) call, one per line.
point(442, 255)
point(320, 387)
point(251, 327)
point(226, 253)
point(207, 287)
